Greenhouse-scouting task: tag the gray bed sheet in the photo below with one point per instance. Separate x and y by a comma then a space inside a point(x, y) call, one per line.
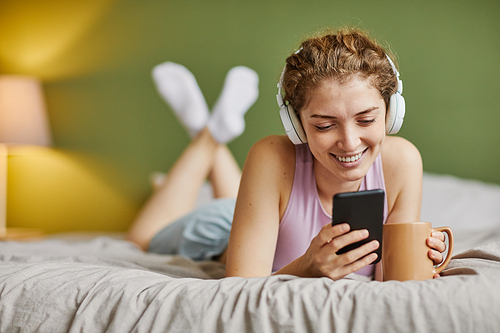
point(107, 285)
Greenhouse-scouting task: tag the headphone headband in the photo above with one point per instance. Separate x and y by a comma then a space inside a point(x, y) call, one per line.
point(279, 96)
point(395, 70)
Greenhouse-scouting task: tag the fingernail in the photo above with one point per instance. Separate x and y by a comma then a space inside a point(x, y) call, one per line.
point(364, 233)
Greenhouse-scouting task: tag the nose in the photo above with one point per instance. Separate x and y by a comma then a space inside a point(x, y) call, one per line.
point(349, 139)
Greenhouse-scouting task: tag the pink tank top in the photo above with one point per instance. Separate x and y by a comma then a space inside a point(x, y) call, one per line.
point(305, 216)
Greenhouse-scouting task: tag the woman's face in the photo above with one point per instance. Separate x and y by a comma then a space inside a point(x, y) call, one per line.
point(345, 127)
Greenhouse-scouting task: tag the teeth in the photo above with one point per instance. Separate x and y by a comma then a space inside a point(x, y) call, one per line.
point(349, 159)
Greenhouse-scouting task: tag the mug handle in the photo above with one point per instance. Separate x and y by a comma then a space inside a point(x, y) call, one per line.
point(448, 231)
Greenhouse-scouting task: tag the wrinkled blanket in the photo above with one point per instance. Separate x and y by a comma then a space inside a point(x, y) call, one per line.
point(108, 285)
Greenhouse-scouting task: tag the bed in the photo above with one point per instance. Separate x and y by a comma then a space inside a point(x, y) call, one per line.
point(77, 283)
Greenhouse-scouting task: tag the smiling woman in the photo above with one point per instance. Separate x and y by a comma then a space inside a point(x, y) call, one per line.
point(344, 91)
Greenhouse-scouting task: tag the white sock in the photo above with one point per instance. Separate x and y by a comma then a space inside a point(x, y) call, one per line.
point(239, 93)
point(178, 87)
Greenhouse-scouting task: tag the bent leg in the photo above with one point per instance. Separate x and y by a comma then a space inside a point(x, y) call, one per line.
point(225, 181)
point(177, 195)
point(225, 175)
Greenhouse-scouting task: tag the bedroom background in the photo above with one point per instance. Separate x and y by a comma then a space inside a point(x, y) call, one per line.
point(111, 129)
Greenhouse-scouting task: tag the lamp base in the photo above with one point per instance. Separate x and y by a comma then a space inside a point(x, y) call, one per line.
point(20, 234)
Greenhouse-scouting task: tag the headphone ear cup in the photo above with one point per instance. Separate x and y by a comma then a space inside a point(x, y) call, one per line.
point(292, 124)
point(395, 114)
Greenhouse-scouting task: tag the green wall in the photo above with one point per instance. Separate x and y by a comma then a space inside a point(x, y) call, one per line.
point(111, 129)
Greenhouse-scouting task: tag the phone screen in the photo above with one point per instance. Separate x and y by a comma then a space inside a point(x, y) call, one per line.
point(361, 210)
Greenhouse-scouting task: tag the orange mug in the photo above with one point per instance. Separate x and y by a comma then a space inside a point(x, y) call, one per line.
point(405, 251)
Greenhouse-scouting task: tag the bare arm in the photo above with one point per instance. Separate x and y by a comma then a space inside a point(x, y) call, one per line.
point(254, 231)
point(403, 177)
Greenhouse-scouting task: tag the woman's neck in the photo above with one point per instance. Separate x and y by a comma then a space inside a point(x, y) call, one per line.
point(328, 184)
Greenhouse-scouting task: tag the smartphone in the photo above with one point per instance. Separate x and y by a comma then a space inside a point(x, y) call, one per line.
point(361, 210)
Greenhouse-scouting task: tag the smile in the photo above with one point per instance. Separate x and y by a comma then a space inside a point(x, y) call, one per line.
point(350, 158)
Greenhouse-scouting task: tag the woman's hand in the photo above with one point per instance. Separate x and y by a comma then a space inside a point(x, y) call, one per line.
point(321, 259)
point(436, 243)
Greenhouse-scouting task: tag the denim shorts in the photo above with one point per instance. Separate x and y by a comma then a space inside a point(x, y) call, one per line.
point(202, 234)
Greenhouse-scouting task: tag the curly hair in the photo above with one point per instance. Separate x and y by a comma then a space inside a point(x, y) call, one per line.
point(341, 56)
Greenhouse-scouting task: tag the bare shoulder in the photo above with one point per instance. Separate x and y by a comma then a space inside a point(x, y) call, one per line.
point(274, 142)
point(402, 166)
point(274, 149)
point(269, 171)
point(400, 155)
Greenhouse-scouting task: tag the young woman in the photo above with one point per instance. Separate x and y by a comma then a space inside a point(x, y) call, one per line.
point(340, 86)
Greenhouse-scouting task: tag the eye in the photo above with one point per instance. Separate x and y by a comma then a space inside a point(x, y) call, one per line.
point(323, 128)
point(367, 121)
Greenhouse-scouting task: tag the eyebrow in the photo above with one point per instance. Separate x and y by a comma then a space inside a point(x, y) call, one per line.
point(357, 114)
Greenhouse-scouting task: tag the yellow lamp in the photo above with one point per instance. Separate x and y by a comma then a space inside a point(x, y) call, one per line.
point(23, 121)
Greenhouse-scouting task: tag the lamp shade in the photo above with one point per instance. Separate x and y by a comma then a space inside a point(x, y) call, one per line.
point(23, 118)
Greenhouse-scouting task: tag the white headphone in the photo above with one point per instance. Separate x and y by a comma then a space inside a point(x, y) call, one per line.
point(295, 131)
